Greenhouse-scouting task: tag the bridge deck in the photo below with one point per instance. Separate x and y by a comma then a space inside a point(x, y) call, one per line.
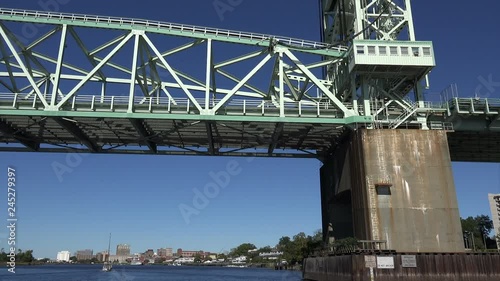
point(466, 146)
point(165, 136)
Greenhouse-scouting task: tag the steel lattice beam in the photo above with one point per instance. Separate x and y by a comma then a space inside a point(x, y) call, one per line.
point(146, 53)
point(278, 131)
point(143, 133)
point(7, 130)
point(73, 129)
point(210, 135)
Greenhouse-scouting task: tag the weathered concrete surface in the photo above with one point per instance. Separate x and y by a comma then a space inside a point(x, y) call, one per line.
point(430, 267)
point(401, 189)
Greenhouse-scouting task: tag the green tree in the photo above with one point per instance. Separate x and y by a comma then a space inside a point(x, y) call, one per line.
point(284, 243)
point(242, 250)
point(197, 258)
point(265, 249)
point(485, 225)
point(318, 235)
point(298, 248)
point(285, 246)
point(469, 224)
point(73, 259)
point(314, 243)
point(27, 256)
point(21, 256)
point(221, 256)
point(256, 259)
point(347, 244)
point(3, 256)
point(478, 227)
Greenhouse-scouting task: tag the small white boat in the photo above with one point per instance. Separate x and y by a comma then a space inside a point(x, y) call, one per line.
point(107, 265)
point(136, 261)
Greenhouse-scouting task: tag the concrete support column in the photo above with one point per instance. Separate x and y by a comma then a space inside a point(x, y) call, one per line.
point(393, 185)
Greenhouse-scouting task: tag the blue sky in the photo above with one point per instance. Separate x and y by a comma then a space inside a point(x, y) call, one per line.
point(137, 198)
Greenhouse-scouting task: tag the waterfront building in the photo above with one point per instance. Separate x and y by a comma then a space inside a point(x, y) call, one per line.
point(239, 260)
point(102, 256)
point(123, 250)
point(63, 256)
point(274, 255)
point(83, 255)
point(185, 260)
point(165, 253)
point(162, 252)
point(188, 254)
point(119, 258)
point(495, 213)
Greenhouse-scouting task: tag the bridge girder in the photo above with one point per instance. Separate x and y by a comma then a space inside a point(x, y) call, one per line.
point(121, 80)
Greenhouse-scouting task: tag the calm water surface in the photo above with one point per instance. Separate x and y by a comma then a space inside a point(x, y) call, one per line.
point(144, 273)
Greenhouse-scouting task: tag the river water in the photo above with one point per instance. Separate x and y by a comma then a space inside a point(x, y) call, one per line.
point(144, 273)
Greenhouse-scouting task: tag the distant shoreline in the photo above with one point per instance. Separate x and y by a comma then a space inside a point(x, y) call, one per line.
point(249, 266)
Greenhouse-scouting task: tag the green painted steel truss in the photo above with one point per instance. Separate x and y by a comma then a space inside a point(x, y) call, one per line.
point(114, 85)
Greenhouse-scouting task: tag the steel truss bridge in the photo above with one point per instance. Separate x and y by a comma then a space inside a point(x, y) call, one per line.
point(115, 85)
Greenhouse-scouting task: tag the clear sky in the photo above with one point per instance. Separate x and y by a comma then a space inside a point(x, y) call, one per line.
point(137, 198)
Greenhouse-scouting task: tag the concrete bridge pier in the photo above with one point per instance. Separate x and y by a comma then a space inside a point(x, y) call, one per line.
point(392, 185)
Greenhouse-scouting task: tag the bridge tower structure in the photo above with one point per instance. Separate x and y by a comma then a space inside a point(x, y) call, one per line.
point(386, 183)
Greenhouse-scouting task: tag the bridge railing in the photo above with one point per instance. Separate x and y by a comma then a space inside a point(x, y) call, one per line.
point(254, 107)
point(174, 105)
point(474, 105)
point(171, 26)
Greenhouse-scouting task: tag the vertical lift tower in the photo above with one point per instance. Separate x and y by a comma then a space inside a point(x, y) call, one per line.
point(391, 181)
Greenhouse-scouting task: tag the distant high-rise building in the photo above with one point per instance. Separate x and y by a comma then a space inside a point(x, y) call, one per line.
point(123, 250)
point(63, 256)
point(169, 252)
point(161, 252)
point(102, 256)
point(84, 255)
point(165, 252)
point(495, 213)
